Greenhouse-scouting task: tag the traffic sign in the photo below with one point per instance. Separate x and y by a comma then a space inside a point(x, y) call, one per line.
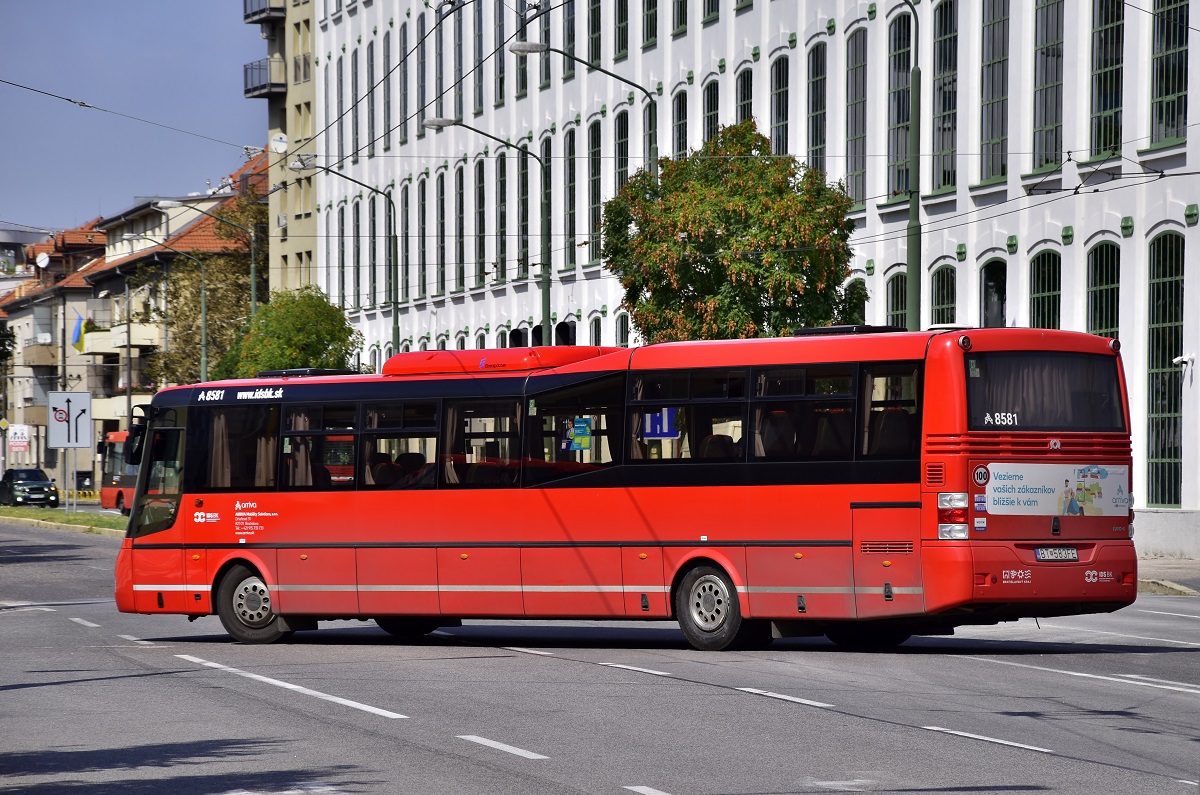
point(70, 419)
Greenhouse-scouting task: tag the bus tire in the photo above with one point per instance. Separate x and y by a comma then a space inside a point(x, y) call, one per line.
point(864, 637)
point(708, 611)
point(407, 629)
point(121, 509)
point(245, 606)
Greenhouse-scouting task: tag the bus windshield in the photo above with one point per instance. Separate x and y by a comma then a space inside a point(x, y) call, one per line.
point(1043, 391)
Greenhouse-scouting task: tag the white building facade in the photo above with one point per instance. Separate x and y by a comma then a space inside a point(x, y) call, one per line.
point(1054, 170)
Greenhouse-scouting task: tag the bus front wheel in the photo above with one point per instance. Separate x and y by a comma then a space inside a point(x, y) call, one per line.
point(708, 609)
point(246, 608)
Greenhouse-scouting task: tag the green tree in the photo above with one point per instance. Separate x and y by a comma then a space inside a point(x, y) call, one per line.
point(731, 242)
point(296, 329)
point(227, 291)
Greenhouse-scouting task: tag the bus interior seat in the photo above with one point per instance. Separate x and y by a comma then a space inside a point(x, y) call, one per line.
point(718, 446)
point(320, 476)
point(486, 474)
point(409, 463)
point(892, 433)
point(834, 435)
point(778, 434)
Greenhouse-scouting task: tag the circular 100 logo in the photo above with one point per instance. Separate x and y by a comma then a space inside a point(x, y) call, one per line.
point(981, 475)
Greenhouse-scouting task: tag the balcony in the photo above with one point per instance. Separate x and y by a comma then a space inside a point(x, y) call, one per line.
point(265, 78)
point(97, 342)
point(137, 335)
point(263, 10)
point(40, 351)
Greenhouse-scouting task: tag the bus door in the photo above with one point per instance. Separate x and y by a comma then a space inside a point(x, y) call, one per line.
point(887, 568)
point(156, 538)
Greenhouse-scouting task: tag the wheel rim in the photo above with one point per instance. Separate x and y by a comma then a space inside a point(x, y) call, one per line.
point(709, 603)
point(252, 603)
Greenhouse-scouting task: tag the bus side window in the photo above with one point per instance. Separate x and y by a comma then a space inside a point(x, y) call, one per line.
point(573, 430)
point(891, 409)
point(482, 444)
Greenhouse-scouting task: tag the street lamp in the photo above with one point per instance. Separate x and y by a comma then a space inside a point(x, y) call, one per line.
point(539, 47)
point(170, 204)
point(203, 301)
point(303, 163)
point(436, 123)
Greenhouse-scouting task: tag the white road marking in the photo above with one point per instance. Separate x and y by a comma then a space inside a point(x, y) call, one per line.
point(1165, 613)
point(988, 739)
point(783, 697)
point(296, 688)
point(529, 651)
point(1082, 675)
point(511, 749)
point(646, 791)
point(1185, 781)
point(136, 640)
point(635, 668)
point(81, 622)
point(1122, 635)
point(1160, 681)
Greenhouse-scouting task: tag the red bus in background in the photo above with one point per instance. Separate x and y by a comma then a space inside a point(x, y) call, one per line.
point(864, 484)
point(118, 479)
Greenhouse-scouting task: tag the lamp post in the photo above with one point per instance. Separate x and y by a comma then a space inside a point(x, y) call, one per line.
point(169, 204)
point(912, 297)
point(304, 163)
point(543, 280)
point(538, 47)
point(203, 301)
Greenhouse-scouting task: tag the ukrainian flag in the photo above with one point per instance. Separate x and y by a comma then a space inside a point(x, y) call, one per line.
point(77, 337)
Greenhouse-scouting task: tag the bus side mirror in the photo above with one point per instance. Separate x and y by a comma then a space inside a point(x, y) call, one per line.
point(133, 444)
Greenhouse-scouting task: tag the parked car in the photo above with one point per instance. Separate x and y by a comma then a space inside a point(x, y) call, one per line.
point(28, 486)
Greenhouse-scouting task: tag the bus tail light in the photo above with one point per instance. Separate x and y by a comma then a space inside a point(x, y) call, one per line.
point(952, 515)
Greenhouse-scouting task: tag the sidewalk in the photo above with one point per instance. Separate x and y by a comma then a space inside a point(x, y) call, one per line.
point(1179, 576)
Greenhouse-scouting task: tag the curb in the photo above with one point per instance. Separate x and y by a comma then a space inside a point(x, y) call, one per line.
point(78, 528)
point(1165, 587)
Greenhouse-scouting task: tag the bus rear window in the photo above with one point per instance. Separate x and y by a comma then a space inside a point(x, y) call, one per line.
point(1043, 391)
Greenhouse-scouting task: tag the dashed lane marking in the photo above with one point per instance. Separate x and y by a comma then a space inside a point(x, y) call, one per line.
point(650, 671)
point(136, 640)
point(83, 623)
point(987, 739)
point(783, 697)
point(1122, 679)
point(295, 688)
point(508, 749)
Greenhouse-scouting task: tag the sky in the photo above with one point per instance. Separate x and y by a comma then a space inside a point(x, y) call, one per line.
point(165, 63)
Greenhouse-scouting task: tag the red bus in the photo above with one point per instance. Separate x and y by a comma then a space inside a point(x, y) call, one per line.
point(118, 478)
point(867, 485)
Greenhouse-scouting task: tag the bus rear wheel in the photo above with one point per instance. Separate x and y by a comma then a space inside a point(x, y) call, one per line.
point(121, 507)
point(246, 608)
point(409, 629)
point(709, 614)
point(864, 637)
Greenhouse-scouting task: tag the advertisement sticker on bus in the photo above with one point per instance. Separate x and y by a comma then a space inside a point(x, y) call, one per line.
point(1056, 489)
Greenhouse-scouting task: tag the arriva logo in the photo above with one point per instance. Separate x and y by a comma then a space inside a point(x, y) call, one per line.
point(237, 506)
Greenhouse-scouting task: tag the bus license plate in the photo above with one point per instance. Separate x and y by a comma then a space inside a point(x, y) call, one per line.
point(1056, 553)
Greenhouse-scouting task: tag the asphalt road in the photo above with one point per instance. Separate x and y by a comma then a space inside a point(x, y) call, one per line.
point(94, 701)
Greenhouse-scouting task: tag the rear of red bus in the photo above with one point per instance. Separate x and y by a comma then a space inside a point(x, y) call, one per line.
point(118, 479)
point(1027, 467)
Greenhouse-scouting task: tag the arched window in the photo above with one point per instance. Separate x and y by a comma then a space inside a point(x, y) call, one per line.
point(745, 94)
point(623, 330)
point(944, 295)
point(1164, 393)
point(422, 238)
point(572, 195)
point(356, 254)
point(1104, 289)
point(712, 106)
point(481, 341)
point(779, 106)
point(480, 225)
point(817, 69)
point(897, 300)
point(945, 94)
point(993, 294)
point(856, 116)
point(501, 217)
point(341, 256)
point(856, 307)
point(1108, 66)
point(621, 129)
point(899, 96)
point(440, 209)
point(679, 131)
point(1045, 290)
point(594, 335)
point(595, 202)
